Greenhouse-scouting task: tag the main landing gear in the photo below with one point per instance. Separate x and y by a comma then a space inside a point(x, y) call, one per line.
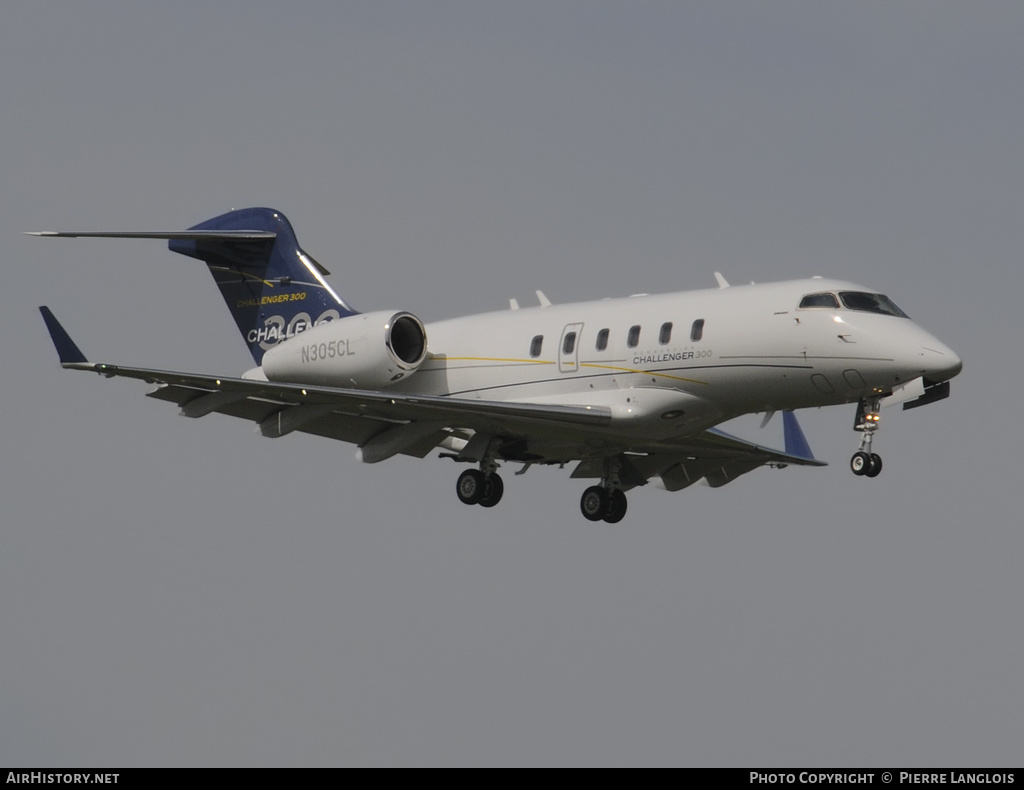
point(605, 502)
point(481, 486)
point(475, 487)
point(864, 462)
point(600, 503)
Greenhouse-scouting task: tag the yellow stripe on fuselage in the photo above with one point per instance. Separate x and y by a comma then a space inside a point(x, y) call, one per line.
point(496, 359)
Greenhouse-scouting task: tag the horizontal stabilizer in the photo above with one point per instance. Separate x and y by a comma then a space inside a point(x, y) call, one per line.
point(273, 289)
point(68, 352)
point(185, 235)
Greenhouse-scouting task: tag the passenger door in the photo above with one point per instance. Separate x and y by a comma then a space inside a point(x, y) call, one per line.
point(569, 348)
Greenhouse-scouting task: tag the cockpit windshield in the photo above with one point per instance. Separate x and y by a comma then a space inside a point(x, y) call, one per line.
point(820, 300)
point(870, 303)
point(854, 300)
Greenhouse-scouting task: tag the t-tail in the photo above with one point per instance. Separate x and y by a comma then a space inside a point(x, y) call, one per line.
point(271, 286)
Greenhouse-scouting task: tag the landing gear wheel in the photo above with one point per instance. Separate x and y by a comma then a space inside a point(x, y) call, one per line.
point(471, 487)
point(860, 464)
point(616, 506)
point(594, 503)
point(493, 489)
point(865, 462)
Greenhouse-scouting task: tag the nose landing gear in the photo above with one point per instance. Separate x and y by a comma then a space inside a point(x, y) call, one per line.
point(864, 462)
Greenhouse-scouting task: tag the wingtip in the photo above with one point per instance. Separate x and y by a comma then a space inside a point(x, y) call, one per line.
point(796, 442)
point(69, 353)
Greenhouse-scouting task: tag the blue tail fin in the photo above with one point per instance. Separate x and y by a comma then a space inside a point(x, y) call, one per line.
point(273, 289)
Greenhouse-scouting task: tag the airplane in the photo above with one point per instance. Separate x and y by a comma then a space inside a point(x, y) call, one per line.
point(627, 389)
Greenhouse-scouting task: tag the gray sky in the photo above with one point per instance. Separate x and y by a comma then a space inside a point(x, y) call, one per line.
point(177, 592)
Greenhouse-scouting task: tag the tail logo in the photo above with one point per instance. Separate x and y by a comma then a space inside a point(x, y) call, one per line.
point(295, 297)
point(275, 329)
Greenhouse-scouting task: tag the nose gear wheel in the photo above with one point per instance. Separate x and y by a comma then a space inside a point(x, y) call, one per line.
point(865, 463)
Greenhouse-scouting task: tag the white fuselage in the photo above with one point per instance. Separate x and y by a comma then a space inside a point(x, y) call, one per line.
point(661, 367)
point(757, 350)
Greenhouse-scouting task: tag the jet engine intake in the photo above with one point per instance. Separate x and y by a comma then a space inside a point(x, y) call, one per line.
point(362, 351)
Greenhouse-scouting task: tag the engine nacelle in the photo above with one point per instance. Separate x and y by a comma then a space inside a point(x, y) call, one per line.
point(363, 351)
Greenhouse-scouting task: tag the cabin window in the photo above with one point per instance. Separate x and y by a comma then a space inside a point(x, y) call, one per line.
point(602, 339)
point(665, 335)
point(697, 330)
point(820, 300)
point(535, 345)
point(633, 339)
point(569, 343)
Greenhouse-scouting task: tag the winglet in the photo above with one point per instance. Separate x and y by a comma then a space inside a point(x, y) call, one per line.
point(722, 283)
point(796, 444)
point(68, 352)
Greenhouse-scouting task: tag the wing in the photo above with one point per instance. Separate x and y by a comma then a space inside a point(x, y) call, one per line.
point(711, 455)
point(384, 424)
point(381, 423)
